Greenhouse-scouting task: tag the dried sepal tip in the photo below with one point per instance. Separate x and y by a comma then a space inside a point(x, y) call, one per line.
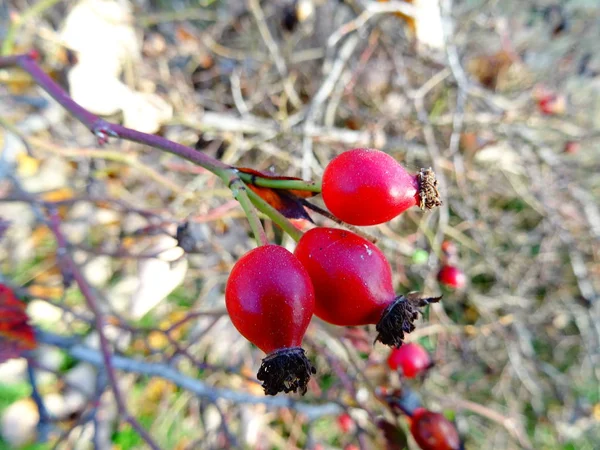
point(285, 370)
point(399, 317)
point(429, 196)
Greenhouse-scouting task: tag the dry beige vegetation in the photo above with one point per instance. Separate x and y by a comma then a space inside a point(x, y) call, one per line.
point(517, 353)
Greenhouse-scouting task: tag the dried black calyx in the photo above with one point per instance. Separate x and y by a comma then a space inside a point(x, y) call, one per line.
point(285, 370)
point(429, 196)
point(399, 317)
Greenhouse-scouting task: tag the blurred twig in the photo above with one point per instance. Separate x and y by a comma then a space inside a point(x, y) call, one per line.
point(89, 355)
point(19, 20)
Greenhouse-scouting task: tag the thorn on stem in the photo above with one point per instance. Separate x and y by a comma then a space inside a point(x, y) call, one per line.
point(102, 131)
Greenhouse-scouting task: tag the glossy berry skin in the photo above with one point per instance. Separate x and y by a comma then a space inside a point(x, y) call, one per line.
point(411, 359)
point(368, 187)
point(351, 276)
point(270, 298)
point(433, 431)
point(452, 277)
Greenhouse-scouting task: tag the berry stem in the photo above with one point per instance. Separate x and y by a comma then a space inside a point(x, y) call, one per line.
point(298, 185)
point(274, 215)
point(240, 193)
point(103, 130)
point(331, 217)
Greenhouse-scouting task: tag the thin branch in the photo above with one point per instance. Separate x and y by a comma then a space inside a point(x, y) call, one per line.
point(201, 389)
point(72, 269)
point(103, 129)
point(510, 424)
point(44, 423)
point(240, 193)
point(13, 29)
point(319, 99)
point(252, 125)
point(274, 215)
point(299, 185)
point(372, 9)
point(263, 28)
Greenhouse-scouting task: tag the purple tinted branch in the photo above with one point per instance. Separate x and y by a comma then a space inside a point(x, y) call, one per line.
point(29, 64)
point(103, 129)
point(72, 269)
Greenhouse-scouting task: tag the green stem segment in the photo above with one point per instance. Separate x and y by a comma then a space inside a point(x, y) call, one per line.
point(299, 185)
point(240, 193)
point(275, 216)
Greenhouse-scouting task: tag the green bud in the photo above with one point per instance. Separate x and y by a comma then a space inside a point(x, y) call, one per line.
point(420, 256)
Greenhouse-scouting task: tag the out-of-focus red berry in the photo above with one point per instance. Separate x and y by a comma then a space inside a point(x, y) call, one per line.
point(449, 249)
point(411, 359)
point(552, 104)
point(572, 147)
point(433, 431)
point(345, 422)
point(548, 101)
point(452, 277)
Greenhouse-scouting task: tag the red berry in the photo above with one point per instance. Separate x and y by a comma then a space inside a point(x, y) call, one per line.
point(452, 277)
point(433, 431)
point(346, 423)
point(353, 284)
point(572, 147)
point(270, 299)
point(368, 187)
point(411, 359)
point(449, 249)
point(551, 104)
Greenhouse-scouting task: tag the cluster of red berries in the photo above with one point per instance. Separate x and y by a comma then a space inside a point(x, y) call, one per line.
point(431, 430)
point(334, 274)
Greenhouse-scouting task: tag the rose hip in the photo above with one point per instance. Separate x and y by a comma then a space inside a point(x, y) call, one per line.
point(411, 359)
point(353, 284)
point(433, 431)
point(368, 187)
point(270, 300)
point(452, 277)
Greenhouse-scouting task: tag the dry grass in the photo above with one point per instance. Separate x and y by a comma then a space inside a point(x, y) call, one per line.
point(517, 352)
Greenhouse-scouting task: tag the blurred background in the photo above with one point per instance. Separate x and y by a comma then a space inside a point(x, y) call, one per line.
point(500, 98)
